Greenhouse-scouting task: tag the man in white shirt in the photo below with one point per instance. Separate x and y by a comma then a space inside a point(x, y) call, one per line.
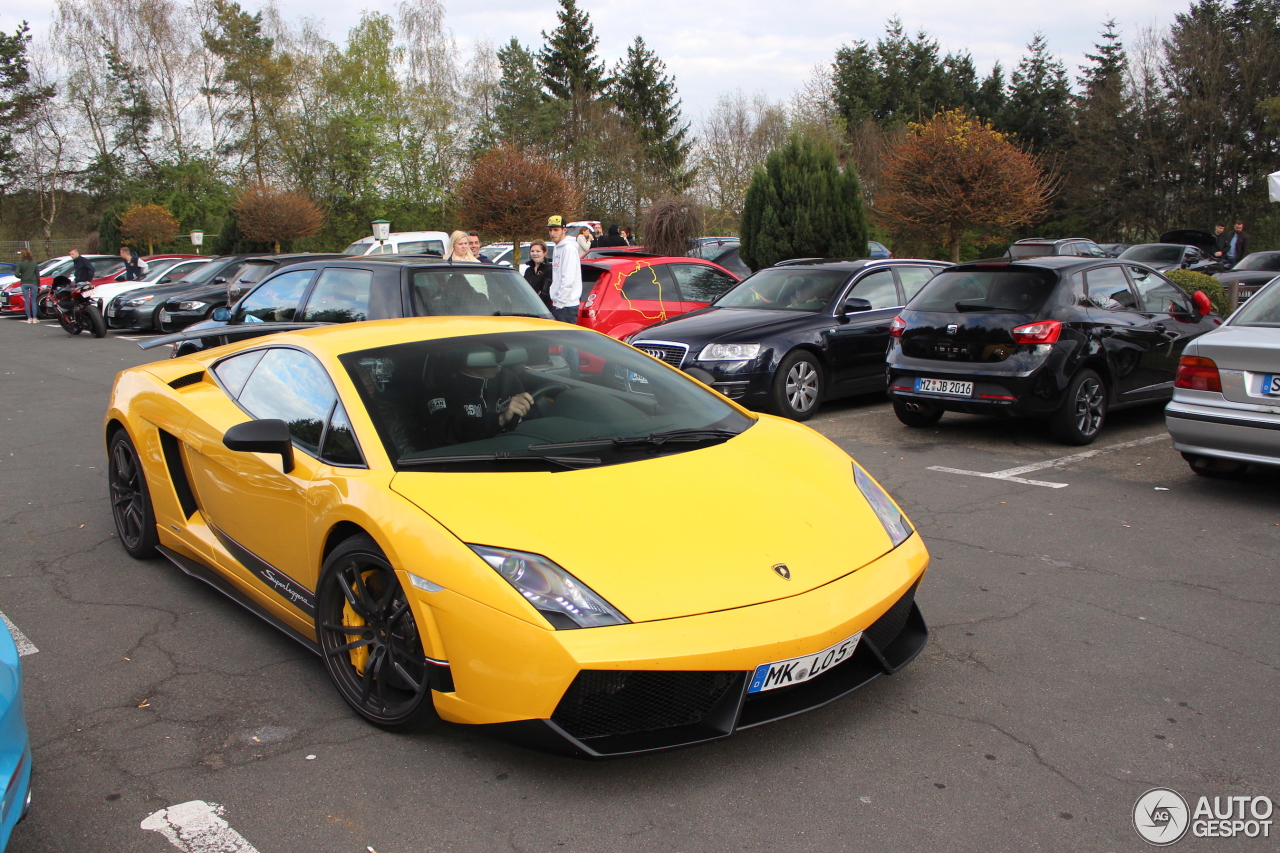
point(566, 273)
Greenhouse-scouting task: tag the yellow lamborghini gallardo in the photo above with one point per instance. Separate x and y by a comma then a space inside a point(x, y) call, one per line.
point(518, 524)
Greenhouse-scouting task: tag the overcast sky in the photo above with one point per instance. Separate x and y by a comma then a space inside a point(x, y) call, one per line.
point(714, 46)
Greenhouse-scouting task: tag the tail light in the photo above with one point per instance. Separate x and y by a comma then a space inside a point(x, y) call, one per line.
point(1198, 374)
point(1046, 332)
point(897, 327)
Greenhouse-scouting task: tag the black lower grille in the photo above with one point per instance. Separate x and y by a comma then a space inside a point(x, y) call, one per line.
point(600, 703)
point(889, 626)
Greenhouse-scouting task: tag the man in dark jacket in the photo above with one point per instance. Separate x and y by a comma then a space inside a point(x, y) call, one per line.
point(1221, 242)
point(1239, 246)
point(475, 397)
point(613, 240)
point(82, 270)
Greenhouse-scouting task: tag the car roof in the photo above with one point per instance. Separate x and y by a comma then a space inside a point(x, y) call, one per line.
point(404, 261)
point(852, 264)
point(1055, 262)
point(340, 338)
point(1053, 241)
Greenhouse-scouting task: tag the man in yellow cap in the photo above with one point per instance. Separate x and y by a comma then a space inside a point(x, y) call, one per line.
point(566, 273)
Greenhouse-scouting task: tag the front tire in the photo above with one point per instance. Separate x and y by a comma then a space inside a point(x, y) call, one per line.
point(369, 639)
point(130, 498)
point(923, 415)
point(798, 386)
point(1083, 411)
point(97, 323)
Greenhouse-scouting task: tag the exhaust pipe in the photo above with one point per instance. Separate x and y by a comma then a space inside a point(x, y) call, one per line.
point(914, 407)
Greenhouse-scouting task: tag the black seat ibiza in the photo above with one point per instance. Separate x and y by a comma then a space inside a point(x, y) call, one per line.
point(1053, 337)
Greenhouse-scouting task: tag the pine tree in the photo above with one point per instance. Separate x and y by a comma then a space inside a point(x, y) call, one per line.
point(646, 97)
point(523, 113)
point(1101, 142)
point(19, 99)
point(801, 204)
point(571, 71)
point(1038, 109)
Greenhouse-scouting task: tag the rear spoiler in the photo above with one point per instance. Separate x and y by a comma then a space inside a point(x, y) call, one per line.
point(237, 329)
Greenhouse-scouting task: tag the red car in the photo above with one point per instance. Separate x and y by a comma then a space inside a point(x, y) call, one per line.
point(107, 269)
point(627, 294)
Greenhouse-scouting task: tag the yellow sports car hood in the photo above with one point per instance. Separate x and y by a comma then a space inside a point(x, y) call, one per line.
point(676, 535)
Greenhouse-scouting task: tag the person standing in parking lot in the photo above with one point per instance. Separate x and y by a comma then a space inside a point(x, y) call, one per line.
point(566, 273)
point(475, 247)
point(82, 270)
point(1221, 242)
point(538, 272)
point(28, 273)
point(460, 247)
point(134, 266)
point(1239, 246)
point(612, 240)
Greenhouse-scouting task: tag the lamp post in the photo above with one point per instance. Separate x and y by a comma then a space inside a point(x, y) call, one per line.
point(381, 230)
point(197, 240)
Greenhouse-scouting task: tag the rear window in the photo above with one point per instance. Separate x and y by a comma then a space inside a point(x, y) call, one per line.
point(1031, 250)
point(1155, 252)
point(358, 249)
point(1262, 309)
point(1013, 291)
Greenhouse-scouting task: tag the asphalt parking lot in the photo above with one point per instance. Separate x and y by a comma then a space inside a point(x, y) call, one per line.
point(1102, 623)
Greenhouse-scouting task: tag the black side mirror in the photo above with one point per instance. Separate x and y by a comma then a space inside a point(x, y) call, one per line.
point(854, 305)
point(264, 436)
point(219, 280)
point(221, 314)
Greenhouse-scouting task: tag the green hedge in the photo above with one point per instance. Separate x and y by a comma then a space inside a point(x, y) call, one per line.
point(1192, 281)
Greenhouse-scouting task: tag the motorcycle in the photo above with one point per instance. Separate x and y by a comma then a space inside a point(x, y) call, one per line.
point(75, 311)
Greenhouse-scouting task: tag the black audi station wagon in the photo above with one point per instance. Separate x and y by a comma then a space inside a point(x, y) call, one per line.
point(793, 334)
point(1061, 338)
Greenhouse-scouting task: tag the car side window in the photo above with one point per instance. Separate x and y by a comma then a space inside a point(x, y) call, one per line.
point(294, 387)
point(647, 283)
point(913, 279)
point(1109, 289)
point(340, 446)
point(275, 300)
point(341, 295)
point(234, 372)
point(878, 289)
point(1158, 295)
point(700, 283)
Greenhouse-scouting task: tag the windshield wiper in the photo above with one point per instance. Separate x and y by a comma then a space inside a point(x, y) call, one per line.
point(500, 456)
point(655, 439)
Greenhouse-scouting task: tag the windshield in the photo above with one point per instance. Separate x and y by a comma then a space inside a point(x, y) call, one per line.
point(1260, 262)
point(1154, 252)
point(786, 289)
point(475, 290)
point(456, 398)
point(358, 248)
point(1019, 291)
point(1262, 309)
point(156, 269)
point(209, 271)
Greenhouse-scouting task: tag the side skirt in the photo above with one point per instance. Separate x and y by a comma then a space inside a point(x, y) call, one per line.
point(201, 572)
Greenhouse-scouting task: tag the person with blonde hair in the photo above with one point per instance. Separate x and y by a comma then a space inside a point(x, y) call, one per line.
point(460, 243)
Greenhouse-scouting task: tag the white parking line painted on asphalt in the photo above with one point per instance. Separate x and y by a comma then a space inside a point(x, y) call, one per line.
point(25, 646)
point(197, 827)
point(1011, 474)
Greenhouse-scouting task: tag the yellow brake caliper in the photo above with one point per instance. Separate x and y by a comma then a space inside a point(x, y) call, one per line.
point(359, 656)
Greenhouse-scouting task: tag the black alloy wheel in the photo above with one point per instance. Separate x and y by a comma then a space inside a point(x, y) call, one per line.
point(1084, 409)
point(369, 639)
point(798, 386)
point(917, 414)
point(130, 498)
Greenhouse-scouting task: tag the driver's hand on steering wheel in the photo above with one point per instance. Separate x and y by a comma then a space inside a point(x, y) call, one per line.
point(517, 407)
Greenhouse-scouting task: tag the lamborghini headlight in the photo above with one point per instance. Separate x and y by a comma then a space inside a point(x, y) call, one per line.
point(729, 352)
point(561, 598)
point(895, 523)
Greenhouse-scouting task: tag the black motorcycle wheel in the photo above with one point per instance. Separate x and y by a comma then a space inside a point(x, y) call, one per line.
point(130, 498)
point(70, 326)
point(369, 638)
point(97, 323)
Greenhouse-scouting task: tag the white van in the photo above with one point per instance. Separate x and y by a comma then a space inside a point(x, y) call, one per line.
point(402, 243)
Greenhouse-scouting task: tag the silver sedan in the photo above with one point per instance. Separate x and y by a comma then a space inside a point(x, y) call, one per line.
point(1225, 413)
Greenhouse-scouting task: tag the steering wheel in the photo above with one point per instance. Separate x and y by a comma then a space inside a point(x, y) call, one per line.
point(547, 393)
